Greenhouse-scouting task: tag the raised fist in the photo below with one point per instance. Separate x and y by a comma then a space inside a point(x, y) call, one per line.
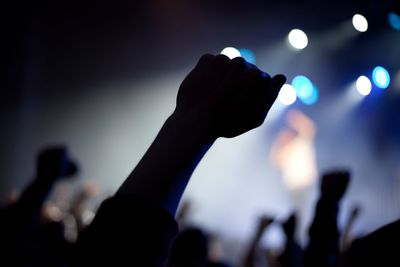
point(264, 221)
point(334, 184)
point(54, 162)
point(227, 97)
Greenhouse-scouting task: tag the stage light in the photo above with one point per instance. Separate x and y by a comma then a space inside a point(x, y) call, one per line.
point(298, 39)
point(303, 86)
point(313, 98)
point(363, 85)
point(381, 77)
point(394, 20)
point(287, 95)
point(360, 23)
point(230, 52)
point(248, 55)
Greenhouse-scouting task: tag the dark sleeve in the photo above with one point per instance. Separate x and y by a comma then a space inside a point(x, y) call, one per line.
point(126, 231)
point(380, 248)
point(20, 223)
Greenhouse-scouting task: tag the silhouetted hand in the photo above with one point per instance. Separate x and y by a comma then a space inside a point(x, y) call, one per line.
point(226, 97)
point(264, 222)
point(289, 226)
point(54, 162)
point(334, 184)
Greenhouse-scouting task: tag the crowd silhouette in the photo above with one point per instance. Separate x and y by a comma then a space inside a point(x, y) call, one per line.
point(136, 226)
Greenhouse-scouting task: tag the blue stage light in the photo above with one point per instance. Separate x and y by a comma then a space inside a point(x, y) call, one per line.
point(381, 77)
point(303, 86)
point(248, 55)
point(394, 20)
point(313, 98)
point(306, 91)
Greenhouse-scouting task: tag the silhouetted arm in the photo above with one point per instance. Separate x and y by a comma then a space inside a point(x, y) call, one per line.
point(162, 174)
point(52, 163)
point(292, 256)
point(219, 98)
point(346, 239)
point(22, 218)
point(249, 257)
point(323, 248)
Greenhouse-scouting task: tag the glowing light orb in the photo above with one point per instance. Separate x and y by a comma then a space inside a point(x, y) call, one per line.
point(230, 52)
point(381, 77)
point(394, 20)
point(303, 86)
point(298, 39)
point(248, 55)
point(287, 95)
point(363, 85)
point(360, 23)
point(313, 98)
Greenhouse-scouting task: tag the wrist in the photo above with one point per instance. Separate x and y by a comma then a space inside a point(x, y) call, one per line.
point(194, 127)
point(45, 177)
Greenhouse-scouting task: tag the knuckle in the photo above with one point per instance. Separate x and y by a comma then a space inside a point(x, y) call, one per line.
point(222, 58)
point(239, 61)
point(205, 58)
point(265, 75)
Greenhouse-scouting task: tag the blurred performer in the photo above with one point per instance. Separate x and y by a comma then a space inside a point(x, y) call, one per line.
point(293, 153)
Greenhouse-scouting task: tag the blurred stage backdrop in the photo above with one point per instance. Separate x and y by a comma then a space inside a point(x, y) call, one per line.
point(102, 76)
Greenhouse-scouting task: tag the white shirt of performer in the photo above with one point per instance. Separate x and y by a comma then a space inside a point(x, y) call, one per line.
point(294, 153)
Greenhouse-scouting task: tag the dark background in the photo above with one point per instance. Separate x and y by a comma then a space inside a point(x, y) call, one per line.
point(101, 76)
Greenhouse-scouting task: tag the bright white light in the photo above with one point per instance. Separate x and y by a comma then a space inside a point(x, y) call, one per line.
point(360, 23)
point(298, 39)
point(287, 95)
point(363, 85)
point(230, 52)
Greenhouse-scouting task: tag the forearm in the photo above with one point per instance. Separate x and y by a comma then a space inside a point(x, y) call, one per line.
point(164, 171)
point(251, 250)
point(323, 249)
point(213, 101)
point(346, 238)
point(324, 227)
point(31, 201)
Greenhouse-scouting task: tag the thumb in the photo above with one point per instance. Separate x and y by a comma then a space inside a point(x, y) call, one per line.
point(278, 81)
